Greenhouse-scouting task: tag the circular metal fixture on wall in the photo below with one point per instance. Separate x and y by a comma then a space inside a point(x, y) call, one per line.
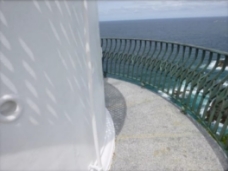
point(10, 108)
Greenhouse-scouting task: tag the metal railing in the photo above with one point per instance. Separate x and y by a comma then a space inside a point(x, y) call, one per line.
point(195, 78)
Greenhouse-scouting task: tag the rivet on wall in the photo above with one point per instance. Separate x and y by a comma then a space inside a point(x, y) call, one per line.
point(10, 108)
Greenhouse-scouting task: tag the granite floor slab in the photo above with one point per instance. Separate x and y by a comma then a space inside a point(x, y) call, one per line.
point(152, 134)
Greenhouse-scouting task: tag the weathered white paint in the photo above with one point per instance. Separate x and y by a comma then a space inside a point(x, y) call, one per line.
point(51, 60)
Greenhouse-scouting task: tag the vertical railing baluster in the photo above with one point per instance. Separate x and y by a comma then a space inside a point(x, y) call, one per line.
point(200, 85)
point(132, 61)
point(213, 88)
point(189, 73)
point(223, 130)
point(197, 84)
point(219, 115)
point(177, 74)
point(107, 53)
point(167, 69)
point(161, 65)
point(193, 79)
point(141, 59)
point(104, 54)
point(130, 57)
point(154, 63)
point(183, 76)
point(158, 62)
point(127, 58)
point(116, 57)
point(124, 43)
point(128, 43)
point(172, 69)
point(114, 53)
point(144, 62)
point(136, 58)
point(148, 62)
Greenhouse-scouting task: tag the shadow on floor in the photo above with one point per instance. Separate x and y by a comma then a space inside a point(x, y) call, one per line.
point(116, 105)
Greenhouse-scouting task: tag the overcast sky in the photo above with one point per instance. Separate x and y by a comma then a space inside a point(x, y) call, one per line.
point(138, 9)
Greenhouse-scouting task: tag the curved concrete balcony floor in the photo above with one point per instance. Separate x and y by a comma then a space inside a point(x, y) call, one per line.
point(152, 134)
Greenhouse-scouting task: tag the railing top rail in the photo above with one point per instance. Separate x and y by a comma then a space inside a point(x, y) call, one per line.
point(177, 43)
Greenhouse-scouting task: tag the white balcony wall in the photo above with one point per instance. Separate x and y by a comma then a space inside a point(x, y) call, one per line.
point(50, 60)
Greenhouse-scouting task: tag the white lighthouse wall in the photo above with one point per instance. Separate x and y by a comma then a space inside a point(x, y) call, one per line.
point(43, 62)
point(98, 86)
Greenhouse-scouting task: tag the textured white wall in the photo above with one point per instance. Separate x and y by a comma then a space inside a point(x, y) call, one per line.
point(47, 55)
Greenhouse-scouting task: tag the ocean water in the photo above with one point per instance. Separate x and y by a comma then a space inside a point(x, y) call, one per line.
point(206, 32)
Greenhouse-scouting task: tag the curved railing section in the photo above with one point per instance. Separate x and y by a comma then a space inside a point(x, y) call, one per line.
point(195, 78)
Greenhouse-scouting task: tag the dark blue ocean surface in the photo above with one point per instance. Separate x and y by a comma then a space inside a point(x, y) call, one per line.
point(206, 32)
